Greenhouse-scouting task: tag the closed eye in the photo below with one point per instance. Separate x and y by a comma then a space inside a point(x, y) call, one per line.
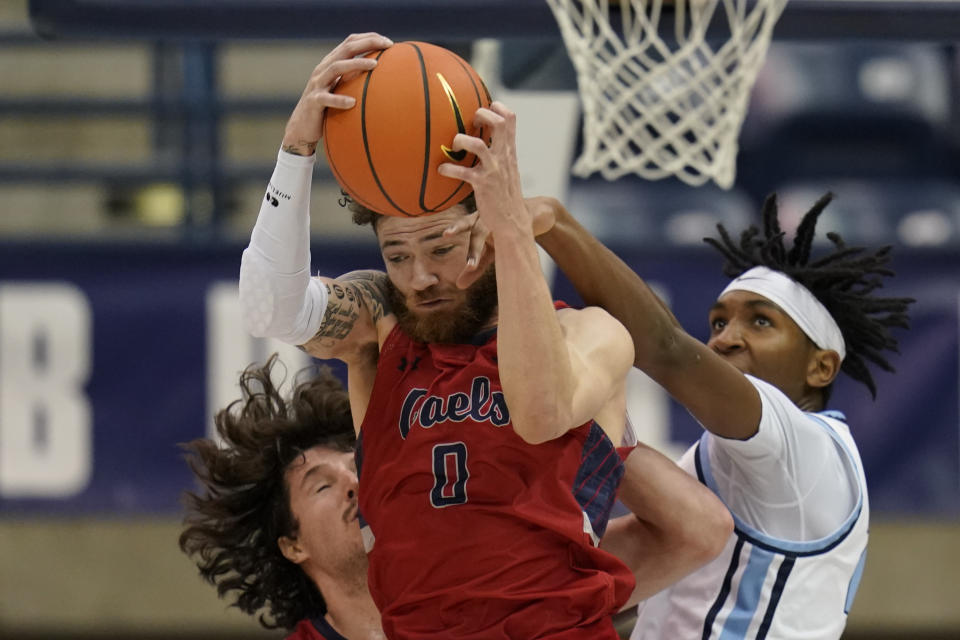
point(396, 259)
point(439, 251)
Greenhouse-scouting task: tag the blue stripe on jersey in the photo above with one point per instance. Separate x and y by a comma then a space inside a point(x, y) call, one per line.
point(782, 574)
point(855, 582)
point(595, 486)
point(724, 588)
point(748, 595)
point(833, 413)
point(762, 540)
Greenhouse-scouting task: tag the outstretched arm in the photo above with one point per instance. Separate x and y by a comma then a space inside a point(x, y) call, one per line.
point(556, 374)
point(677, 524)
point(714, 391)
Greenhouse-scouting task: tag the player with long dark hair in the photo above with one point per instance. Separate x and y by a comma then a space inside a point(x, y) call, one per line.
point(274, 526)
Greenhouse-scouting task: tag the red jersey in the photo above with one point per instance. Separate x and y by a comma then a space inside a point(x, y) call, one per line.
point(476, 533)
point(314, 629)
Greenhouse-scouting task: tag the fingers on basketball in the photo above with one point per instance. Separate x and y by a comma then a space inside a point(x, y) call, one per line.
point(386, 151)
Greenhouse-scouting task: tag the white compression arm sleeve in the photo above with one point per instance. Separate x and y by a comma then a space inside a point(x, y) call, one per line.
point(278, 298)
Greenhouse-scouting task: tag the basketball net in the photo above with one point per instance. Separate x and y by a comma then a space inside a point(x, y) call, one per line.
point(659, 107)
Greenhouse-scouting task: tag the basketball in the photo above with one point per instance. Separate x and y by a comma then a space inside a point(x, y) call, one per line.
point(385, 150)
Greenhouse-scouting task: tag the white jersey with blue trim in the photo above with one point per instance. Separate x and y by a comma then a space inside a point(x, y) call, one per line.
point(792, 566)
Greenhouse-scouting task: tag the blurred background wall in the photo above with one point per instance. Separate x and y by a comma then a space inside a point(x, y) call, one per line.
point(131, 172)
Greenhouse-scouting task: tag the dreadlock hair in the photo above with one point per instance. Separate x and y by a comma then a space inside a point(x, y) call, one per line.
point(232, 526)
point(364, 216)
point(842, 281)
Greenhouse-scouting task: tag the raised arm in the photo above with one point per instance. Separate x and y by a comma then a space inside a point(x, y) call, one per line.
point(555, 375)
point(677, 524)
point(279, 299)
point(305, 126)
point(714, 391)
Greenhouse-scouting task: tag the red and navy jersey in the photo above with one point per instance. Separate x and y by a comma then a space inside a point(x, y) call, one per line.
point(314, 629)
point(476, 533)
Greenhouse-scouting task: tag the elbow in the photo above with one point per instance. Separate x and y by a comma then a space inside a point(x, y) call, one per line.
point(256, 310)
point(256, 318)
point(254, 314)
point(275, 305)
point(664, 354)
point(534, 434)
point(704, 527)
point(536, 426)
point(726, 526)
point(713, 531)
point(534, 437)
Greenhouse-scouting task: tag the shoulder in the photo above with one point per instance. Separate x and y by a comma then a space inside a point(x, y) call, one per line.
point(370, 275)
point(369, 281)
point(785, 430)
point(778, 408)
point(773, 398)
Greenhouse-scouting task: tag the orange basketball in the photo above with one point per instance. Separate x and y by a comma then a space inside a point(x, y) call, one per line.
point(384, 151)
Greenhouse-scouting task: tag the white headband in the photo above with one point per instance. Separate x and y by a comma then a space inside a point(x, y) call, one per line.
point(797, 302)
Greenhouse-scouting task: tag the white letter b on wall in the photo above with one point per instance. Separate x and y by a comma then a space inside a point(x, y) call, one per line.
point(45, 418)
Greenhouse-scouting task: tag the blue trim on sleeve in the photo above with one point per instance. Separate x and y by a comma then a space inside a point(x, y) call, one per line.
point(855, 582)
point(832, 413)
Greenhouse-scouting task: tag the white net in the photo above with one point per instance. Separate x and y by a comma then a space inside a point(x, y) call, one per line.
point(660, 106)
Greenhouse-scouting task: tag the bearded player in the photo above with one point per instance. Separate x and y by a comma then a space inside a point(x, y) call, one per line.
point(486, 479)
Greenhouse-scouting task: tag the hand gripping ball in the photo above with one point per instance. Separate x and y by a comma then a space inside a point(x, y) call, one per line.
point(384, 151)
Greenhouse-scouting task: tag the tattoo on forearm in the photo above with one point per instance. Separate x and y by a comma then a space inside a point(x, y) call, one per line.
point(301, 148)
point(354, 291)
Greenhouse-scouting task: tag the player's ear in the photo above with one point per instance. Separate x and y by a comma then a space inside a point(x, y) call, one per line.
point(291, 549)
point(823, 368)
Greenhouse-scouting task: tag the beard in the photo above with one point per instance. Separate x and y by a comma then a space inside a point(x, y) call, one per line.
point(456, 325)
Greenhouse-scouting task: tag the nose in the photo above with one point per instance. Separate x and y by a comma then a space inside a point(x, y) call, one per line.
point(423, 276)
point(352, 483)
point(729, 340)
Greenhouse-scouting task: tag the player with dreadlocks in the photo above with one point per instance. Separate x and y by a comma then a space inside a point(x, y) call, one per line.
point(275, 525)
point(787, 469)
point(842, 281)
